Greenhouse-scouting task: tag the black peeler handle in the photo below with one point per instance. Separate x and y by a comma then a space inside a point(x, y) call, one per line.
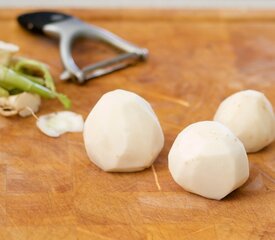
point(35, 21)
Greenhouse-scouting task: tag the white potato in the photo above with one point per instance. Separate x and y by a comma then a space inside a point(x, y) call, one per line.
point(122, 133)
point(207, 159)
point(249, 115)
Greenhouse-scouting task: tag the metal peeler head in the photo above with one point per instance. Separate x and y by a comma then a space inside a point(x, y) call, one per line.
point(68, 29)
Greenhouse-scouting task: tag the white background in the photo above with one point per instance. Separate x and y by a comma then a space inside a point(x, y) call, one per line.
point(141, 3)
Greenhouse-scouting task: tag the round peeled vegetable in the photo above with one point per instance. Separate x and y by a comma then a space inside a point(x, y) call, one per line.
point(122, 133)
point(209, 160)
point(249, 115)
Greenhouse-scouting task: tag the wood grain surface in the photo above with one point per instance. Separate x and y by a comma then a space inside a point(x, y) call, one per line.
point(50, 190)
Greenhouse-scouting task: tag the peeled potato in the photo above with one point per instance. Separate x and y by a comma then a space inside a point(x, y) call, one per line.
point(122, 133)
point(249, 115)
point(209, 160)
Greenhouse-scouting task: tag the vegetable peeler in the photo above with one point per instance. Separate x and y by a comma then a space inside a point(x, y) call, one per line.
point(68, 29)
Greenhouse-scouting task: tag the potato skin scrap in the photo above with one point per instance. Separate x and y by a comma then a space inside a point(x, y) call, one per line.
point(7, 51)
point(58, 123)
point(23, 104)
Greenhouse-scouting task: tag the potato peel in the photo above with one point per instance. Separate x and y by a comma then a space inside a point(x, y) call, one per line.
point(58, 123)
point(7, 50)
point(18, 104)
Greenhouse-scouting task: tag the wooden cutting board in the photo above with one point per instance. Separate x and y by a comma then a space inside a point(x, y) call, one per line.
point(50, 190)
